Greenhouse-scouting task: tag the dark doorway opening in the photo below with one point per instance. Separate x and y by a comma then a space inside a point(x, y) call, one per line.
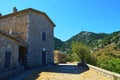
point(7, 59)
point(22, 55)
point(43, 58)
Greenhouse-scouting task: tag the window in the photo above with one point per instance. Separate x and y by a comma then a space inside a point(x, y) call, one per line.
point(43, 36)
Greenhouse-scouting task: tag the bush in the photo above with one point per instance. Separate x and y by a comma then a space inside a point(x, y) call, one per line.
point(80, 52)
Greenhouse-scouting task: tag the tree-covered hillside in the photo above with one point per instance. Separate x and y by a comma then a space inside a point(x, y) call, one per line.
point(58, 43)
point(108, 57)
point(111, 38)
point(88, 38)
point(104, 47)
point(93, 40)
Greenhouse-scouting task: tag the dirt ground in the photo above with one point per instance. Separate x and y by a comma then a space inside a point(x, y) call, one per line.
point(65, 72)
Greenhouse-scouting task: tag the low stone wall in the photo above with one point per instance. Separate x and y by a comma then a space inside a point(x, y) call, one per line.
point(108, 74)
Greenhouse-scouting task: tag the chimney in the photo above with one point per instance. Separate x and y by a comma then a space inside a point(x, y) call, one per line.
point(0, 14)
point(14, 9)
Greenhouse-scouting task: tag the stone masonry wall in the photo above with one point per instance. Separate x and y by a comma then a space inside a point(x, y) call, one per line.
point(107, 74)
point(15, 25)
point(7, 44)
point(37, 25)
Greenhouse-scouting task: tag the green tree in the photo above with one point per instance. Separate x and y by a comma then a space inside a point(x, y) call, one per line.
point(69, 56)
point(80, 51)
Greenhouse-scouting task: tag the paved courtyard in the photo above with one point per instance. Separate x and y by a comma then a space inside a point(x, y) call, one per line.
point(62, 72)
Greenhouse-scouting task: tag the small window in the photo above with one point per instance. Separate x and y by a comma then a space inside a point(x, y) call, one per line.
point(43, 36)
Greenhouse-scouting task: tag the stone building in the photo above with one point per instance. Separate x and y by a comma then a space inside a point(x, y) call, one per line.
point(9, 52)
point(34, 31)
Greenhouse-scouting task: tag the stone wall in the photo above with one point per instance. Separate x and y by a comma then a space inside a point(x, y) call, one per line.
point(108, 74)
point(15, 25)
point(10, 45)
point(37, 25)
point(29, 26)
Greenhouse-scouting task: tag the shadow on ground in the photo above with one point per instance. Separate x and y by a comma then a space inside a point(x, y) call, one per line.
point(65, 69)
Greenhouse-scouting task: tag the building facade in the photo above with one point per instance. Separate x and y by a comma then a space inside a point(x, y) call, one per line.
point(9, 52)
point(35, 31)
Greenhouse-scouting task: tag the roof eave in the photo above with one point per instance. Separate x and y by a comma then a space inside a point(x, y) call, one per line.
point(29, 10)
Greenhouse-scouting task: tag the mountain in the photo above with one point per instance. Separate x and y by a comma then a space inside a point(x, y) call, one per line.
point(58, 43)
point(88, 38)
point(91, 39)
point(112, 40)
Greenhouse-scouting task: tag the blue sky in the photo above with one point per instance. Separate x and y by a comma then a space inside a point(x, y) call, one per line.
point(73, 16)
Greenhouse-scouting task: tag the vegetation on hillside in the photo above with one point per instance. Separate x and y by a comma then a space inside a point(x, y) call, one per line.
point(58, 43)
point(109, 39)
point(108, 58)
point(104, 48)
point(88, 38)
point(80, 52)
